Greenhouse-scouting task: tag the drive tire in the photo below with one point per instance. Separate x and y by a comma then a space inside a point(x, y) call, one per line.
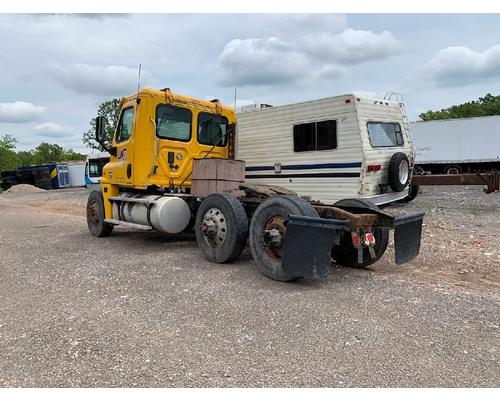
point(234, 222)
point(275, 206)
point(346, 254)
point(399, 172)
point(95, 216)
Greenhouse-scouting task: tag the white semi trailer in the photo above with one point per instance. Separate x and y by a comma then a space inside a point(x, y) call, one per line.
point(457, 146)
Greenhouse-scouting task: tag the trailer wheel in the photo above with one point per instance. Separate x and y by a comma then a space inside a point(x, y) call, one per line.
point(221, 227)
point(452, 170)
point(268, 230)
point(346, 254)
point(95, 216)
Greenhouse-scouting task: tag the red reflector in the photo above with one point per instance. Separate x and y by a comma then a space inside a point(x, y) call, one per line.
point(347, 100)
point(374, 167)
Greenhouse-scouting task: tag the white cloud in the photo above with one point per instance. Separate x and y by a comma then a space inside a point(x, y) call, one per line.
point(295, 24)
point(20, 111)
point(367, 93)
point(260, 62)
point(454, 66)
point(331, 71)
point(52, 129)
point(111, 80)
point(321, 53)
point(351, 46)
point(244, 102)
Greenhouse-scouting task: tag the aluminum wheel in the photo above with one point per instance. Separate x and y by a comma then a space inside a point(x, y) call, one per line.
point(214, 227)
point(404, 171)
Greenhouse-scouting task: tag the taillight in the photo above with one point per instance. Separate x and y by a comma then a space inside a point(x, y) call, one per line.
point(374, 167)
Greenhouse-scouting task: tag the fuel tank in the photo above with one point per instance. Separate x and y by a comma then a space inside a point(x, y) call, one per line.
point(166, 214)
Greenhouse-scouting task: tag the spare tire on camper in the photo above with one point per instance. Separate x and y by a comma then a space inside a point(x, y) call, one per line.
point(399, 172)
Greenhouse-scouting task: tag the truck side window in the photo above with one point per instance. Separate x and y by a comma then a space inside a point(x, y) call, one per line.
point(385, 134)
point(212, 129)
point(314, 136)
point(124, 130)
point(173, 123)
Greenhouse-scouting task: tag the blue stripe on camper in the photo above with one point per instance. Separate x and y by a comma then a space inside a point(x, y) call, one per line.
point(306, 166)
point(310, 175)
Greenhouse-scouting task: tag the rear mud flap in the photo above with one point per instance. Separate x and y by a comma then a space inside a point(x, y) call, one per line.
point(308, 245)
point(407, 234)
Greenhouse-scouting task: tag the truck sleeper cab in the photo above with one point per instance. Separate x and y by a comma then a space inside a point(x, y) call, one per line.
point(163, 140)
point(330, 149)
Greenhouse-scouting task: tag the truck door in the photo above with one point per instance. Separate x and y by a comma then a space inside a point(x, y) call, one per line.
point(121, 169)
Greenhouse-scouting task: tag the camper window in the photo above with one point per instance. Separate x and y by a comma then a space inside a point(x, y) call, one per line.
point(173, 123)
point(315, 136)
point(383, 134)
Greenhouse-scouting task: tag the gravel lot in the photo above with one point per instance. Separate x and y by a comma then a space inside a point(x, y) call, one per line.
point(144, 309)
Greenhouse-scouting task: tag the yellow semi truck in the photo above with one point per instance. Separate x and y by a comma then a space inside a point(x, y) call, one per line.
point(172, 169)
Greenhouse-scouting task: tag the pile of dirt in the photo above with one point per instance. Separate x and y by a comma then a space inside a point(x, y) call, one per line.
point(23, 188)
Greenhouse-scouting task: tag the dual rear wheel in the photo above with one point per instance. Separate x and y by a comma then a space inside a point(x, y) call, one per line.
point(222, 230)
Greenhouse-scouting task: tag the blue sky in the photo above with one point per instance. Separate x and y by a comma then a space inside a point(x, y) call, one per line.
point(56, 69)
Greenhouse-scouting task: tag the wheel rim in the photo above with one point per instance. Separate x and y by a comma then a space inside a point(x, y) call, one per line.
point(214, 227)
point(403, 171)
point(272, 236)
point(453, 171)
point(93, 213)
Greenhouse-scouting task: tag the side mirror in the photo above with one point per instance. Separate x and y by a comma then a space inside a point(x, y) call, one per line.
point(100, 130)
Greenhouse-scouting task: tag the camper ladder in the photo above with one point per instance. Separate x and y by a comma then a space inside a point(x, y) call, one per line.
point(399, 99)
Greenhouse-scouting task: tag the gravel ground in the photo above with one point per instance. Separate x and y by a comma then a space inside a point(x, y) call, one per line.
point(143, 309)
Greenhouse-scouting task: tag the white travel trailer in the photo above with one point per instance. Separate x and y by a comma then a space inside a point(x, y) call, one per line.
point(330, 149)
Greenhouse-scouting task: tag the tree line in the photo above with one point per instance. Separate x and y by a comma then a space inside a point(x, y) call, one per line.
point(42, 154)
point(484, 106)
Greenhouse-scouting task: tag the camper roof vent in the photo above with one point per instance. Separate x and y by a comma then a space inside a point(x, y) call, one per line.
point(255, 106)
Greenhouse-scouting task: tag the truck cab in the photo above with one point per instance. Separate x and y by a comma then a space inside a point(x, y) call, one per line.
point(159, 133)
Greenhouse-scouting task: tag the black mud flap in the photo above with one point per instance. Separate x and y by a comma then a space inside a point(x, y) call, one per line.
point(407, 234)
point(307, 251)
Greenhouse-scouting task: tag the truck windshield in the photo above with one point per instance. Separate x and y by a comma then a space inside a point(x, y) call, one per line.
point(212, 129)
point(385, 134)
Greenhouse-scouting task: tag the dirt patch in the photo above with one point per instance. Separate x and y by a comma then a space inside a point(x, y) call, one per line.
point(459, 239)
point(23, 188)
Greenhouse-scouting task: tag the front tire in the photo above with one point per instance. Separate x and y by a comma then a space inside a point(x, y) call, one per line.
point(221, 227)
point(95, 216)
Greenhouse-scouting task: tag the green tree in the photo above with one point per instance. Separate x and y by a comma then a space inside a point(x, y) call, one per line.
point(71, 155)
point(46, 152)
point(8, 157)
point(8, 142)
point(110, 110)
point(484, 106)
point(25, 157)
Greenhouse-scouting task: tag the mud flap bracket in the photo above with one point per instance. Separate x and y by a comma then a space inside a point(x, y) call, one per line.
point(308, 245)
point(407, 235)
